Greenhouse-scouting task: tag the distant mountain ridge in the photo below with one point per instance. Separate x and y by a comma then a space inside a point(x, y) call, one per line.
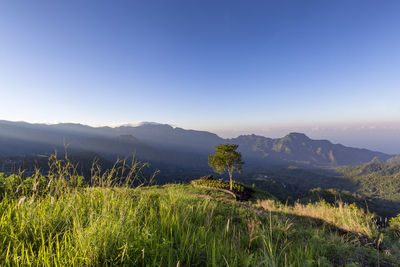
point(164, 144)
point(298, 148)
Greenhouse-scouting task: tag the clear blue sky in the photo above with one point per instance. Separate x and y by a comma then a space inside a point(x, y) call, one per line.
point(215, 65)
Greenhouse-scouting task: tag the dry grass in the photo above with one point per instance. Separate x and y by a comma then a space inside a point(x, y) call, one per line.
point(342, 215)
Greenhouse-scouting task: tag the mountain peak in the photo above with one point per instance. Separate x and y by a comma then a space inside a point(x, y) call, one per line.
point(375, 160)
point(142, 123)
point(297, 136)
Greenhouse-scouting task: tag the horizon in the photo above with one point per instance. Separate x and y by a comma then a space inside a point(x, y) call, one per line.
point(328, 69)
point(337, 134)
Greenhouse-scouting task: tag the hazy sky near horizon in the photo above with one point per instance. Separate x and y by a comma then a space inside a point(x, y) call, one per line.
point(223, 66)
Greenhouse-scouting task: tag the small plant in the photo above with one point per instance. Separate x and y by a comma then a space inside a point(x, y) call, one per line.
point(395, 225)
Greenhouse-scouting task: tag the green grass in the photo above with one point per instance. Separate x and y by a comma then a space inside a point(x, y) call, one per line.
point(175, 225)
point(54, 220)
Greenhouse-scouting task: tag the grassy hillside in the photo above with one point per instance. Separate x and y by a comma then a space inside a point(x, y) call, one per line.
point(54, 219)
point(181, 225)
point(374, 186)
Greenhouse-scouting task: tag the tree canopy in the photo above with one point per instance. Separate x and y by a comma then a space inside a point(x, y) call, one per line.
point(226, 158)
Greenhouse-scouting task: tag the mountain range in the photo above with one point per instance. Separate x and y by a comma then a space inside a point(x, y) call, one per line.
point(164, 145)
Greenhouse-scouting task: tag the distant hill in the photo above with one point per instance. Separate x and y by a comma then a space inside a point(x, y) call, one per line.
point(167, 137)
point(297, 148)
point(170, 146)
point(394, 160)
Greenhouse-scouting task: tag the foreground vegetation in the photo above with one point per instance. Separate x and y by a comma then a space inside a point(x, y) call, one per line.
point(55, 219)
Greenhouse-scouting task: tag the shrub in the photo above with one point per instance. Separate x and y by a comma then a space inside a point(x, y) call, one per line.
point(237, 188)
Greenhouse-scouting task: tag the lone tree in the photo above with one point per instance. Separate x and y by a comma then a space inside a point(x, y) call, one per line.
point(226, 158)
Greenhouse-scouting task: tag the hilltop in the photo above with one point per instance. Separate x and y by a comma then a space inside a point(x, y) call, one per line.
point(117, 218)
point(179, 225)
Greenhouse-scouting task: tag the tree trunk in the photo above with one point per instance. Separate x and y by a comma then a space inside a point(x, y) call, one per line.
point(230, 180)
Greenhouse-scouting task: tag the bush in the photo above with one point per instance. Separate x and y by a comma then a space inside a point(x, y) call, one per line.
point(237, 188)
point(395, 223)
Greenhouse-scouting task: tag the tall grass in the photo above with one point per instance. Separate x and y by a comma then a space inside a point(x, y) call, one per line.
point(121, 226)
point(62, 177)
point(345, 216)
point(56, 220)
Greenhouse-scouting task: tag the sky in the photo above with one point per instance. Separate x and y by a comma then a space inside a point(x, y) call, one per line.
point(231, 67)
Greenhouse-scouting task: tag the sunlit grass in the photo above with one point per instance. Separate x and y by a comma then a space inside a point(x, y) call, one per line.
point(55, 220)
point(342, 215)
